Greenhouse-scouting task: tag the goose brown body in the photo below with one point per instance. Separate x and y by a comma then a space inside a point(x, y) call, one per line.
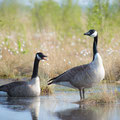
point(29, 88)
point(84, 76)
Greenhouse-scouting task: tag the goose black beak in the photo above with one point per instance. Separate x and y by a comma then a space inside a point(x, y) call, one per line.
point(44, 57)
point(87, 33)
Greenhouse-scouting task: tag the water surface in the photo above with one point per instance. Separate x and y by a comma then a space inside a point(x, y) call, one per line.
point(60, 106)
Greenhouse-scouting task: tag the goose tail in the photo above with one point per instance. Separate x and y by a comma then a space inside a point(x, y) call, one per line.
point(3, 88)
point(54, 80)
point(51, 81)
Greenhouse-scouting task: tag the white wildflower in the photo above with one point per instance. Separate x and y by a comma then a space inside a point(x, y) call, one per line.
point(64, 60)
point(5, 48)
point(79, 39)
point(3, 42)
point(17, 52)
point(73, 44)
point(73, 36)
point(0, 56)
point(21, 49)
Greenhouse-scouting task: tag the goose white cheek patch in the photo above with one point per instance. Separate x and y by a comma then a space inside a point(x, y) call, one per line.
point(94, 34)
point(39, 58)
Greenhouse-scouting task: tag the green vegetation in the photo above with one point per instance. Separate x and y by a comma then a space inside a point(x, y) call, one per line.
point(57, 30)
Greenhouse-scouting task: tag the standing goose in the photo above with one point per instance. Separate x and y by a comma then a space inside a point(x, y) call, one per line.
point(26, 88)
point(84, 76)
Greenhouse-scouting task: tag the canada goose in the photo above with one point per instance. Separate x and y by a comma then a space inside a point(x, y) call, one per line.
point(26, 88)
point(84, 76)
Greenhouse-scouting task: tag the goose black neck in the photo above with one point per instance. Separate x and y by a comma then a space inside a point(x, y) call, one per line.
point(35, 68)
point(95, 46)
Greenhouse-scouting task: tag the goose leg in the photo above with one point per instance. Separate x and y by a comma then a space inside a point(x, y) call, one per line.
point(83, 90)
point(80, 94)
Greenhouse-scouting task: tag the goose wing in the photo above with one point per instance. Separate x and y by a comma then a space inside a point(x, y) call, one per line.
point(68, 75)
point(8, 86)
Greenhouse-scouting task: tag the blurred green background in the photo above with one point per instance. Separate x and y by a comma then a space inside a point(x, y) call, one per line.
point(66, 17)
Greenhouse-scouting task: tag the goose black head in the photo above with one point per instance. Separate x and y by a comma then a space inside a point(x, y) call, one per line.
point(40, 56)
point(91, 33)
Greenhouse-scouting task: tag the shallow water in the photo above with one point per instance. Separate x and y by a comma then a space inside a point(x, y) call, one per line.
point(60, 106)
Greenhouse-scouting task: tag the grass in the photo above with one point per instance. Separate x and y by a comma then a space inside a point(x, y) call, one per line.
point(46, 90)
point(102, 98)
point(25, 30)
point(103, 94)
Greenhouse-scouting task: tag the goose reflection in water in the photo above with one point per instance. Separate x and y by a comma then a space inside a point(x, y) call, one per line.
point(99, 112)
point(52, 108)
point(22, 104)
